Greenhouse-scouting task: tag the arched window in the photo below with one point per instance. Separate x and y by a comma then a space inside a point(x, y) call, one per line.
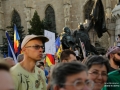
point(50, 17)
point(88, 9)
point(16, 18)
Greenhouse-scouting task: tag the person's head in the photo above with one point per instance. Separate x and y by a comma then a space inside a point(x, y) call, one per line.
point(76, 48)
point(32, 47)
point(20, 57)
point(81, 26)
point(67, 30)
point(118, 35)
point(98, 68)
point(113, 55)
point(70, 76)
point(10, 61)
point(67, 56)
point(6, 82)
point(40, 65)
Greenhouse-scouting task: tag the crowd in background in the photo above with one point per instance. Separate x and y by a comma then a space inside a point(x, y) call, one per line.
point(95, 72)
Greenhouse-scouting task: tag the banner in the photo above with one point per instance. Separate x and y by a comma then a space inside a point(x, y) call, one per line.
point(50, 47)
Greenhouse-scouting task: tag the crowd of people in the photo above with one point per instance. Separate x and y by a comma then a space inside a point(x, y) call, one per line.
point(95, 72)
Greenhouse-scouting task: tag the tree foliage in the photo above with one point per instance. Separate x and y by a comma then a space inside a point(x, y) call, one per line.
point(36, 25)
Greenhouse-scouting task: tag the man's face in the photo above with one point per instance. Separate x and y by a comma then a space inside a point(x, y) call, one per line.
point(70, 80)
point(70, 58)
point(6, 82)
point(33, 49)
point(42, 67)
point(116, 59)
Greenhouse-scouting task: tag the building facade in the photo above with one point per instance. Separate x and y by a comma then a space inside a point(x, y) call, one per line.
point(63, 13)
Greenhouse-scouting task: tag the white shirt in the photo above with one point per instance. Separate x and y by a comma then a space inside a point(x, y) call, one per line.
point(76, 52)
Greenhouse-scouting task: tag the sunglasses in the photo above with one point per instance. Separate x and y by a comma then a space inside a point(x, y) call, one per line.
point(36, 47)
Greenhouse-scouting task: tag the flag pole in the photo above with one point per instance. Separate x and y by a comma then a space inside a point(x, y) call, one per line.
point(83, 50)
point(9, 43)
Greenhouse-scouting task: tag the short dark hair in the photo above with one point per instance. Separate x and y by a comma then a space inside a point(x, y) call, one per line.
point(66, 53)
point(62, 70)
point(118, 34)
point(4, 66)
point(42, 63)
point(96, 59)
point(39, 64)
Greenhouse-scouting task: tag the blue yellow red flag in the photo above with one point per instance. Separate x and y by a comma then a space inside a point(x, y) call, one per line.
point(16, 39)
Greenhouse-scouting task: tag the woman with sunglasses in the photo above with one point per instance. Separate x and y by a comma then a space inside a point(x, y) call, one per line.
point(97, 70)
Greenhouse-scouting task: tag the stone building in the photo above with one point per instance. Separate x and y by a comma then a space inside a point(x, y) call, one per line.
point(63, 13)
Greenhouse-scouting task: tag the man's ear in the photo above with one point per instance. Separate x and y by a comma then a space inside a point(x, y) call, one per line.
point(111, 55)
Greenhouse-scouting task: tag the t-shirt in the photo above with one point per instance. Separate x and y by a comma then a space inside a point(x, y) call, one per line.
point(111, 69)
point(25, 80)
point(113, 82)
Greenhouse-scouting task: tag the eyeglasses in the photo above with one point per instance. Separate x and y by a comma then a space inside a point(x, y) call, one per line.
point(37, 47)
point(96, 74)
point(79, 85)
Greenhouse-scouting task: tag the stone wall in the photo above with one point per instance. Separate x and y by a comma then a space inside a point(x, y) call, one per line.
point(67, 12)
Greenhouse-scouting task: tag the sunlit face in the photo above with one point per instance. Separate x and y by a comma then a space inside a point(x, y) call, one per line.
point(42, 67)
point(82, 76)
point(31, 52)
point(6, 82)
point(116, 58)
point(98, 73)
point(70, 58)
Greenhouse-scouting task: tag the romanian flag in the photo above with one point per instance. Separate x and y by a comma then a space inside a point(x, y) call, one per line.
point(16, 39)
point(49, 59)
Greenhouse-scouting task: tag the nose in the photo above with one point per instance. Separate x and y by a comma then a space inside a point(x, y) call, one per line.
point(99, 76)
